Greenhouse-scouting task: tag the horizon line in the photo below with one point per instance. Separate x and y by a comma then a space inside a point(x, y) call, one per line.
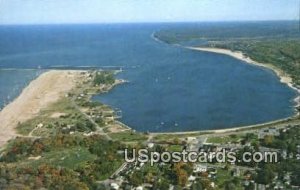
point(144, 22)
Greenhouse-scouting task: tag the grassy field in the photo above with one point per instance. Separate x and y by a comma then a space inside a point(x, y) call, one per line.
point(57, 117)
point(224, 177)
point(224, 139)
point(47, 117)
point(129, 136)
point(59, 142)
point(72, 158)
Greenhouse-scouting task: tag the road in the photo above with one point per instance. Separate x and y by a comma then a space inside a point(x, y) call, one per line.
point(99, 129)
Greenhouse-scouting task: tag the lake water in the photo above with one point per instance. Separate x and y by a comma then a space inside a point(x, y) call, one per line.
point(13, 81)
point(170, 88)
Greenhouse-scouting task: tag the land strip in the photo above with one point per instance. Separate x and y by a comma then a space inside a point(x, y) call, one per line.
point(40, 93)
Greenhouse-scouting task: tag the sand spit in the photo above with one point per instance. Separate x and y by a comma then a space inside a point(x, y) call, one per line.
point(46, 89)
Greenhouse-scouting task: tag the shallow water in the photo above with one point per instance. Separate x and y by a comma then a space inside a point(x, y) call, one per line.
point(12, 82)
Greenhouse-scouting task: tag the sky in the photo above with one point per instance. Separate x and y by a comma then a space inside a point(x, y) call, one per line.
point(119, 11)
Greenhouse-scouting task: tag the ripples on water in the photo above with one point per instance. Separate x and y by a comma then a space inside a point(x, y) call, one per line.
point(170, 89)
point(12, 81)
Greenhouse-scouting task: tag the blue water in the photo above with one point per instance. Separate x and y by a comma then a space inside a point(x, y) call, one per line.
point(170, 88)
point(12, 82)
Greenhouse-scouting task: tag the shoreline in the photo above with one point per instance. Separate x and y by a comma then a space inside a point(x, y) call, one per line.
point(284, 77)
point(41, 81)
point(228, 130)
point(47, 88)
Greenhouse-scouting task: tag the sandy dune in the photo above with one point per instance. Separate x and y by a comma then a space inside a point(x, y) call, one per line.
point(44, 90)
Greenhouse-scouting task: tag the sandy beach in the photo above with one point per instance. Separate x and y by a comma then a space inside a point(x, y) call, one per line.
point(284, 78)
point(247, 128)
point(54, 84)
point(46, 89)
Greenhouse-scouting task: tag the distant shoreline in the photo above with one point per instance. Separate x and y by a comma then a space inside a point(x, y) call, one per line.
point(284, 77)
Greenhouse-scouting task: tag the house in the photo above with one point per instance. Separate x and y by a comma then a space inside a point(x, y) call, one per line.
point(246, 183)
point(191, 139)
point(150, 145)
point(192, 178)
point(283, 154)
point(212, 171)
point(236, 172)
point(40, 125)
point(268, 132)
point(287, 178)
point(199, 168)
point(114, 186)
point(261, 187)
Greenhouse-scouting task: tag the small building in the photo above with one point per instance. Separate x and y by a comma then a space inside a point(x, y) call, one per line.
point(40, 125)
point(199, 168)
point(192, 178)
point(114, 186)
point(283, 154)
point(236, 172)
point(268, 132)
point(261, 187)
point(191, 139)
point(150, 145)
